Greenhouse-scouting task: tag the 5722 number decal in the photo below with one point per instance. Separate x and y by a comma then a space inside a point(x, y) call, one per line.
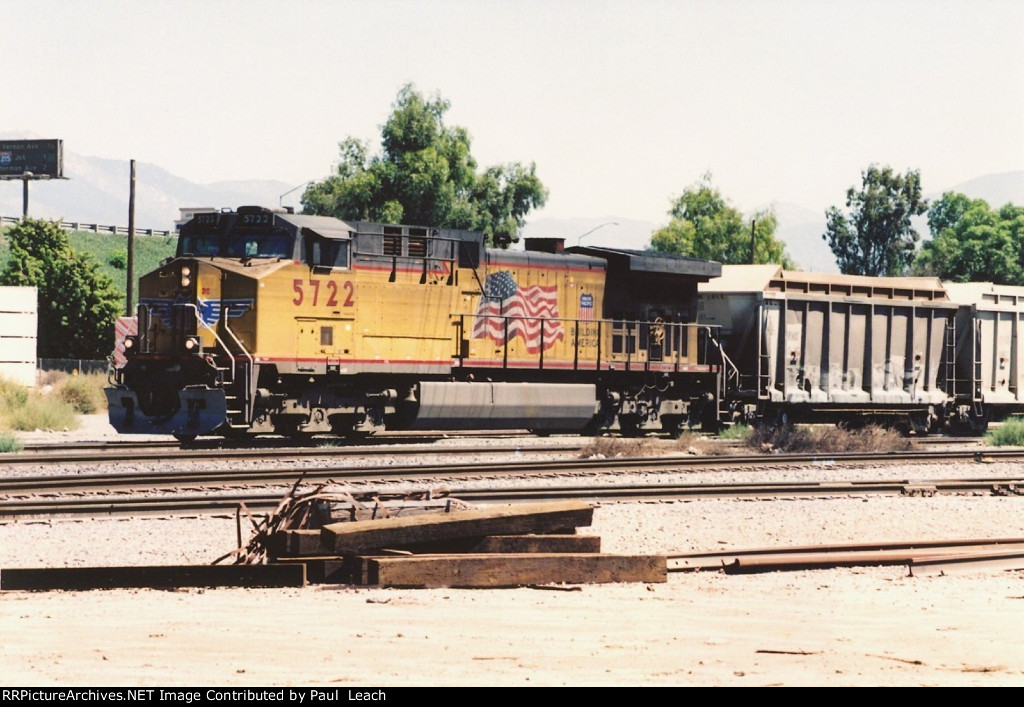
point(332, 293)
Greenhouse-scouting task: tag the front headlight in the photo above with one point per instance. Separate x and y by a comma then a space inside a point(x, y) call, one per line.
point(192, 344)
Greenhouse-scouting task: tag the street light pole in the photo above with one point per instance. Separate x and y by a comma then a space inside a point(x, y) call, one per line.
point(280, 199)
point(607, 223)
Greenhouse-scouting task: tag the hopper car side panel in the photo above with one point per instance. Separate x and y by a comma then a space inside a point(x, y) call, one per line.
point(824, 348)
point(988, 383)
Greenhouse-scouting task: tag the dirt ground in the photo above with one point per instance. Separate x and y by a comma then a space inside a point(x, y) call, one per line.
point(867, 626)
point(848, 627)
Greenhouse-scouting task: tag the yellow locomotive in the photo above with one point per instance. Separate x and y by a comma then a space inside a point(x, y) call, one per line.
point(270, 322)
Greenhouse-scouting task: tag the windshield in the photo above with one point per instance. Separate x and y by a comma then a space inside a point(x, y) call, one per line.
point(199, 245)
point(275, 245)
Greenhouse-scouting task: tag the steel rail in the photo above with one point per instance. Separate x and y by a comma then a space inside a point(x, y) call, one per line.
point(110, 451)
point(928, 554)
point(264, 501)
point(334, 472)
point(103, 453)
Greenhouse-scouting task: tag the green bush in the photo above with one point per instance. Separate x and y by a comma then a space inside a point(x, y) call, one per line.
point(739, 433)
point(12, 395)
point(9, 443)
point(1008, 434)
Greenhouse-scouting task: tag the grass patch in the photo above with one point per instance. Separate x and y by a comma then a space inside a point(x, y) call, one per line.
point(614, 447)
point(698, 444)
point(633, 447)
point(110, 253)
point(1008, 434)
point(84, 392)
point(9, 443)
point(25, 410)
point(827, 439)
point(736, 433)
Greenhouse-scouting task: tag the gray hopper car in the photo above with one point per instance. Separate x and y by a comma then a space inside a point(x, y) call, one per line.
point(814, 347)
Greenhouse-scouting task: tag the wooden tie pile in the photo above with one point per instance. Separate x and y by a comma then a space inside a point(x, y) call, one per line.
point(440, 542)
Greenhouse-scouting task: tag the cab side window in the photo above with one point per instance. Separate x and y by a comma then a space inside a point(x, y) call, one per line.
point(324, 253)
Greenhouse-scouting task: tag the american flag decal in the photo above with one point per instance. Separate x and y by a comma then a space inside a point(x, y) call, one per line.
point(522, 308)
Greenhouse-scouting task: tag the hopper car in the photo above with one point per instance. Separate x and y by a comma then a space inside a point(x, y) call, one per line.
point(815, 347)
point(987, 384)
point(270, 322)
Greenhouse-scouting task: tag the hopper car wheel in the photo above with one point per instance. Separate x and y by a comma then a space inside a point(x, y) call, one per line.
point(185, 439)
point(672, 426)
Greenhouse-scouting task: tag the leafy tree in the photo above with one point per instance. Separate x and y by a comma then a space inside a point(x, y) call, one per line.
point(704, 225)
point(971, 242)
point(877, 238)
point(426, 175)
point(77, 303)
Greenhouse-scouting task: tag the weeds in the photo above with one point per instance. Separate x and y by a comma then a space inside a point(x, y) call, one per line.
point(9, 443)
point(827, 439)
point(84, 393)
point(24, 410)
point(1008, 434)
point(612, 447)
point(736, 433)
point(693, 443)
point(625, 447)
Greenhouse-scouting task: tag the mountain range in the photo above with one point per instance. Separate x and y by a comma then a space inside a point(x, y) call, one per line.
point(97, 192)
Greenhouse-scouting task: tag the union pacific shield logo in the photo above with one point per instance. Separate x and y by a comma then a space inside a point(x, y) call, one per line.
point(210, 310)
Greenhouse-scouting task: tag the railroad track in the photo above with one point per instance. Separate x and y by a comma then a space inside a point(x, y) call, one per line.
point(388, 443)
point(262, 500)
point(452, 472)
point(106, 453)
point(128, 443)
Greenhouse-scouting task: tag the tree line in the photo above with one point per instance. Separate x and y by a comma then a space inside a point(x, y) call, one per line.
point(425, 174)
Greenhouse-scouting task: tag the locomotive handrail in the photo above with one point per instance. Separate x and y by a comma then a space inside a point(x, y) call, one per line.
point(248, 382)
point(732, 371)
point(202, 323)
point(631, 332)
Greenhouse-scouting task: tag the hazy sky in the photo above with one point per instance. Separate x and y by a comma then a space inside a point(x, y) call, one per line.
point(620, 104)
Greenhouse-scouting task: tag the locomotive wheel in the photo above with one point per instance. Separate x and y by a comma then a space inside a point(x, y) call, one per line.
point(287, 427)
point(629, 427)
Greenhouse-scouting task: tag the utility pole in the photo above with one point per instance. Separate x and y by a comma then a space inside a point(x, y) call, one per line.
point(24, 195)
point(129, 289)
point(753, 223)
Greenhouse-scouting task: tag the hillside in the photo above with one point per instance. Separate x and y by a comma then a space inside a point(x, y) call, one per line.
point(110, 252)
point(96, 191)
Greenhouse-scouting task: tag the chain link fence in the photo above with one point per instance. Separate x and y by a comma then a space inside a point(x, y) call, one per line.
point(71, 365)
